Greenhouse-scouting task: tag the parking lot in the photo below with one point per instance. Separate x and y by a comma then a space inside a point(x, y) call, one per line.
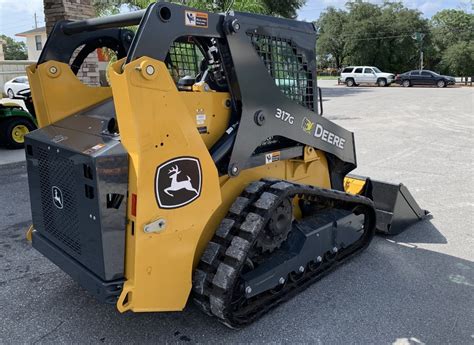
point(414, 288)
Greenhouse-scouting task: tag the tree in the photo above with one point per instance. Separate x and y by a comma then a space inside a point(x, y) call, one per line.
point(370, 34)
point(452, 26)
point(458, 59)
point(453, 38)
point(14, 50)
point(331, 28)
point(402, 25)
point(381, 35)
point(223, 5)
point(283, 8)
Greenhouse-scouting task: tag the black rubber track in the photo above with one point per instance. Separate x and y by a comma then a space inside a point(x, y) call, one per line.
point(216, 279)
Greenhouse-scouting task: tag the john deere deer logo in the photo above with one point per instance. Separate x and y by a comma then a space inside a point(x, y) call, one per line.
point(57, 197)
point(307, 125)
point(178, 185)
point(178, 182)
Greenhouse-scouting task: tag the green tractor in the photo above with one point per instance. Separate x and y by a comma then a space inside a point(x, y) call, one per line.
point(15, 122)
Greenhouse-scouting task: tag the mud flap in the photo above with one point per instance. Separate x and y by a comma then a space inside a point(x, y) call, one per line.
point(395, 206)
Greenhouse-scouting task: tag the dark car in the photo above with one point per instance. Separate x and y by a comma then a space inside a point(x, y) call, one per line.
point(424, 77)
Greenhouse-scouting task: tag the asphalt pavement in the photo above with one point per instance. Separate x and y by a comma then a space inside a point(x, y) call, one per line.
point(414, 288)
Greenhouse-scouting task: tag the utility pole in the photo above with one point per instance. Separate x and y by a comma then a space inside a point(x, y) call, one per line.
point(418, 36)
point(36, 22)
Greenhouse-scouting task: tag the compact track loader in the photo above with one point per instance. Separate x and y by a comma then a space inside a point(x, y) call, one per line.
point(206, 170)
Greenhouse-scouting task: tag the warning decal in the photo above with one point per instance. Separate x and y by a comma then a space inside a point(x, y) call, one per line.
point(196, 19)
point(272, 157)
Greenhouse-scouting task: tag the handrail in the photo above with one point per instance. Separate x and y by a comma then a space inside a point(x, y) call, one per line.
point(118, 20)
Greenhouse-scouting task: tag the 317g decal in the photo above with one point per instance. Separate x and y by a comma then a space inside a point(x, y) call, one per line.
point(284, 116)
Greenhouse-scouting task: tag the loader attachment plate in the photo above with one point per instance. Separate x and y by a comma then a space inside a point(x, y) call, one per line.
point(396, 209)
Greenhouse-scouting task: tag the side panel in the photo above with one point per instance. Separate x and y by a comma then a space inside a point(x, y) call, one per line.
point(156, 127)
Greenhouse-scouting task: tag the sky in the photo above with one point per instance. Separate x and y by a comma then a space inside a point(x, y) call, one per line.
point(18, 15)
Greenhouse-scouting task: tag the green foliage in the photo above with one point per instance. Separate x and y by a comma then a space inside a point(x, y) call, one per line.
point(369, 34)
point(14, 50)
point(332, 28)
point(223, 5)
point(458, 59)
point(382, 36)
point(453, 41)
point(365, 33)
point(452, 26)
point(282, 8)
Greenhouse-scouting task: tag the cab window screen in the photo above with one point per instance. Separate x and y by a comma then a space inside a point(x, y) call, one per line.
point(288, 67)
point(184, 59)
point(358, 70)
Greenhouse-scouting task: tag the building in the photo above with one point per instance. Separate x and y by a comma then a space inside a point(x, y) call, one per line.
point(35, 40)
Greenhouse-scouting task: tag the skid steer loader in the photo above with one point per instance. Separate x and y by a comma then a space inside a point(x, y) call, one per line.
point(206, 170)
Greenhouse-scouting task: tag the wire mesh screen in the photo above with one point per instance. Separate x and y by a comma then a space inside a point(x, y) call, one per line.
point(287, 66)
point(184, 60)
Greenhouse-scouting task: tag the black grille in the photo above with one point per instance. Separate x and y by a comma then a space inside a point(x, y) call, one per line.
point(287, 66)
point(184, 59)
point(62, 224)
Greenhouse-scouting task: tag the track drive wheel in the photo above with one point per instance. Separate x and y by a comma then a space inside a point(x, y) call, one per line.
point(277, 229)
point(259, 229)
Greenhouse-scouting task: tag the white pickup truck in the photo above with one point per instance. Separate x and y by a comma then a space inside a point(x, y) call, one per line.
point(355, 75)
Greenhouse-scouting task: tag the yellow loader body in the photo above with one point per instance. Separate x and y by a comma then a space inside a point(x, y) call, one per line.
point(205, 168)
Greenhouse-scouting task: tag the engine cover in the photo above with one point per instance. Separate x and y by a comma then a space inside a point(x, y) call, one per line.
point(78, 176)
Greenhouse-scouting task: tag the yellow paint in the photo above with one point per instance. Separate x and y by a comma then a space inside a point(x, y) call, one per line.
point(60, 94)
point(29, 233)
point(212, 107)
point(354, 185)
point(157, 123)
